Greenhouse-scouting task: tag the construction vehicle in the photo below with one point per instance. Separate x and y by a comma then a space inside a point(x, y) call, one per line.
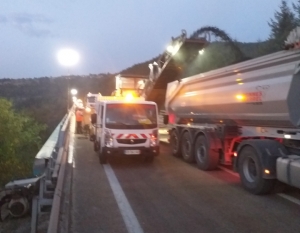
point(125, 125)
point(88, 128)
point(246, 115)
point(129, 84)
point(90, 101)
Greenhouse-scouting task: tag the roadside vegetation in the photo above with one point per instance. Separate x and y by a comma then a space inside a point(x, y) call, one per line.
point(31, 108)
point(19, 142)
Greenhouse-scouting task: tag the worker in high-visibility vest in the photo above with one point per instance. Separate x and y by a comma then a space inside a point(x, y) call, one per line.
point(79, 119)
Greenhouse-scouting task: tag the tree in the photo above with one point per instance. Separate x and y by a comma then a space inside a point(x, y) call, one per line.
point(283, 23)
point(19, 143)
point(296, 7)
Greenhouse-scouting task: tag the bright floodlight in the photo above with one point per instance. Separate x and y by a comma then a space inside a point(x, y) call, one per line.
point(170, 48)
point(201, 51)
point(74, 92)
point(173, 49)
point(68, 57)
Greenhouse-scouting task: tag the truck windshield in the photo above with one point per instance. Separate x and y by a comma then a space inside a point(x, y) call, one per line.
point(131, 116)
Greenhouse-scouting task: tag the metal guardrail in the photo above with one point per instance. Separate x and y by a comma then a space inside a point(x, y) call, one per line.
point(49, 166)
point(45, 188)
point(48, 171)
point(47, 150)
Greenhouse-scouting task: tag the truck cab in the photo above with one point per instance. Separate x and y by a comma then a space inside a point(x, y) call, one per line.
point(126, 127)
point(91, 100)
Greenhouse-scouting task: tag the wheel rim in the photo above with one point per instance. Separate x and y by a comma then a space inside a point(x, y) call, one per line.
point(186, 147)
point(201, 153)
point(250, 170)
point(175, 143)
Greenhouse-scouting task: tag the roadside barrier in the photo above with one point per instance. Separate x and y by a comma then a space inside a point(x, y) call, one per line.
point(44, 189)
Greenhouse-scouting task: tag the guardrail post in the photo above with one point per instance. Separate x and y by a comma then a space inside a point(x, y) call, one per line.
point(34, 214)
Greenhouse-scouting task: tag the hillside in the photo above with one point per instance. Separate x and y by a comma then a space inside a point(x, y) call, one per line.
point(45, 99)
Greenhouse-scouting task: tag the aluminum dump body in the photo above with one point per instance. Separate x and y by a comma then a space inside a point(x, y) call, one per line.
point(264, 91)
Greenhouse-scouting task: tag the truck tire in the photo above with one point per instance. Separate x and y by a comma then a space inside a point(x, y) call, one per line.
point(187, 148)
point(251, 171)
point(175, 145)
point(102, 157)
point(206, 158)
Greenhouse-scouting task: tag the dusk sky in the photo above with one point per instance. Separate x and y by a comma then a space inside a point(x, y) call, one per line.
point(113, 35)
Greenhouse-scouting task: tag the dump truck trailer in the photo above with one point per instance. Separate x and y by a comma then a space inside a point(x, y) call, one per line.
point(246, 115)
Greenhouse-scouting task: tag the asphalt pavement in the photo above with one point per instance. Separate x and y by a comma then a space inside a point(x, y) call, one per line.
point(168, 195)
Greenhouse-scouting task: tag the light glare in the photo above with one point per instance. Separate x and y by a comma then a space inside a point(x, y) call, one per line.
point(240, 97)
point(170, 49)
point(74, 92)
point(68, 57)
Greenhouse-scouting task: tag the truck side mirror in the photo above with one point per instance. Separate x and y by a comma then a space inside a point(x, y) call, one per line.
point(94, 118)
point(166, 119)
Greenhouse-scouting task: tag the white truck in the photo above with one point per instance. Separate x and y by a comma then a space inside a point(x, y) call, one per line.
point(126, 126)
point(246, 115)
point(90, 101)
point(90, 109)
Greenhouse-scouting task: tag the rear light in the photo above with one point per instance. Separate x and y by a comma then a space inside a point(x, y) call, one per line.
point(172, 118)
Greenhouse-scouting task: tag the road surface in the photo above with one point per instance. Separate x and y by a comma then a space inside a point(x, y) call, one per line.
point(168, 195)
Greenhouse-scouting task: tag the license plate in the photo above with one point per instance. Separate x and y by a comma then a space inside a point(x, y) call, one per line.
point(132, 152)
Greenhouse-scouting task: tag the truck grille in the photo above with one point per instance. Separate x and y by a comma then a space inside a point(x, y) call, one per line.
point(131, 141)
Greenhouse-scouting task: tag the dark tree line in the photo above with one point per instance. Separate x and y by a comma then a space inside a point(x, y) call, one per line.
point(46, 99)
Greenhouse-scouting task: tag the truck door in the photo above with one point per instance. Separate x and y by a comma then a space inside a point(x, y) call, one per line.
point(100, 122)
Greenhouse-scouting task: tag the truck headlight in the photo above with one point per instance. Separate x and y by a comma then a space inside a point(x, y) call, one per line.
point(108, 139)
point(154, 138)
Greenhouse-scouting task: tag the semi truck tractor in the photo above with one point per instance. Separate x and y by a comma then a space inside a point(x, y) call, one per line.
point(125, 126)
point(246, 115)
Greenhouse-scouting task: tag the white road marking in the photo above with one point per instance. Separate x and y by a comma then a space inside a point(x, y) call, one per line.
point(128, 215)
point(229, 171)
point(290, 198)
point(285, 196)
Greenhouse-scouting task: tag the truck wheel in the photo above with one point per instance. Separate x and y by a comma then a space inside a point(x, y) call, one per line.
point(175, 146)
point(187, 148)
point(206, 158)
point(102, 158)
point(250, 170)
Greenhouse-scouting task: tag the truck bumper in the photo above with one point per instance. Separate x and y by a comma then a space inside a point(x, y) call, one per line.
point(132, 151)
